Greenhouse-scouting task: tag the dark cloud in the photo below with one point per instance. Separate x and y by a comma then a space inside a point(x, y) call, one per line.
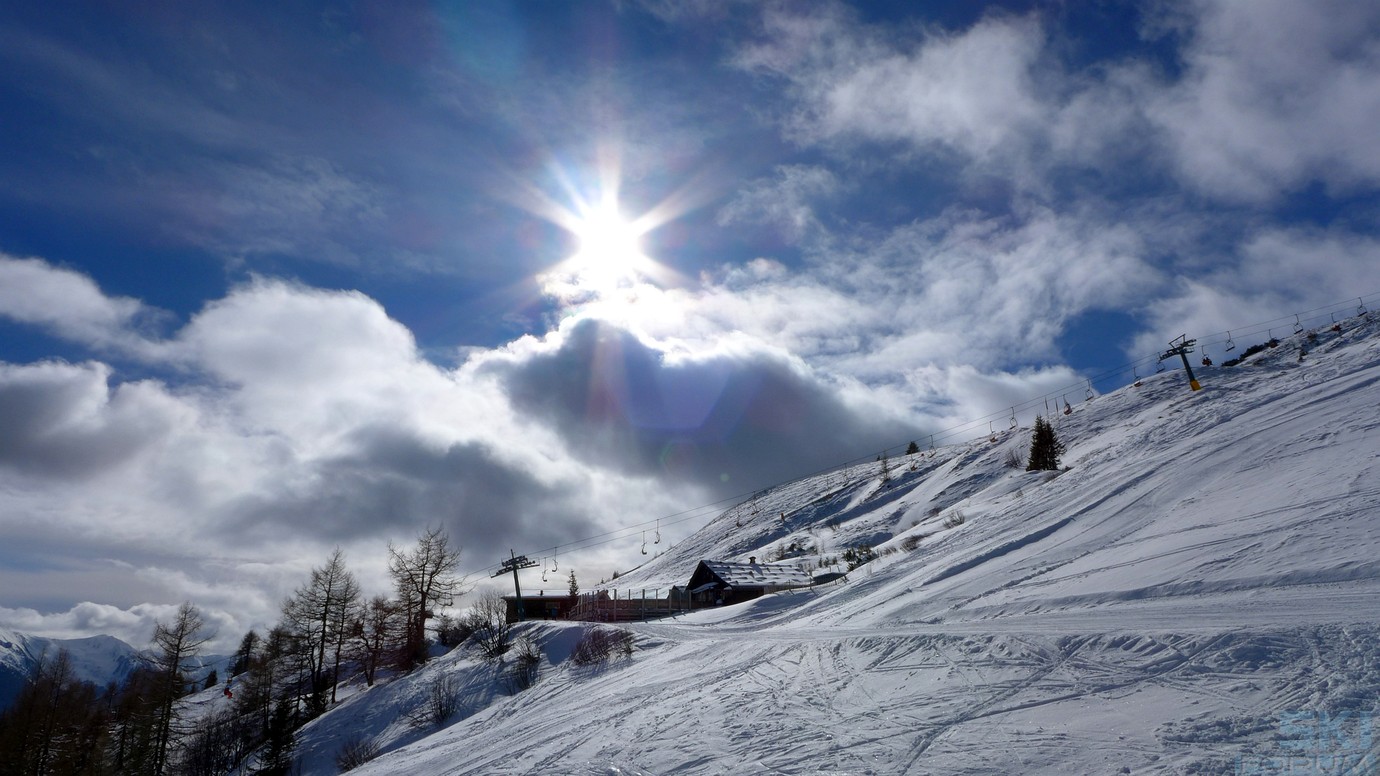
point(393, 483)
point(62, 420)
point(728, 421)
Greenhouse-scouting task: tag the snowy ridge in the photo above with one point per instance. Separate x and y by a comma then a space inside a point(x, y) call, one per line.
point(96, 659)
point(1199, 593)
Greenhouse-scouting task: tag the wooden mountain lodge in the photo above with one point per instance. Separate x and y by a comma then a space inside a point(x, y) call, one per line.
point(722, 582)
point(714, 583)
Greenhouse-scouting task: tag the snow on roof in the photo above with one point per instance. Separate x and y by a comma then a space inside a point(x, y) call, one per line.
point(758, 574)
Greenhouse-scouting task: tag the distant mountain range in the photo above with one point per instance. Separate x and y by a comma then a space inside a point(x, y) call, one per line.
point(96, 659)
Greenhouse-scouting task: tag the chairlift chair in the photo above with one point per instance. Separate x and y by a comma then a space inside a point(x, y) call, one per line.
point(1013, 419)
point(1135, 374)
point(644, 542)
point(1159, 366)
point(1230, 345)
point(1361, 308)
point(1068, 408)
point(543, 569)
point(1090, 391)
point(658, 533)
point(1298, 325)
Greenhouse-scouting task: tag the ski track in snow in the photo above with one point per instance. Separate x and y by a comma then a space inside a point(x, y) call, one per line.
point(1210, 563)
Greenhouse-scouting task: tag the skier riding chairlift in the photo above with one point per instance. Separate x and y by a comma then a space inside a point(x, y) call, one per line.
point(1206, 361)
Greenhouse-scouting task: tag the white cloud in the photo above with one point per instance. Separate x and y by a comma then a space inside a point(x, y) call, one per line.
point(787, 201)
point(961, 288)
point(1276, 272)
point(1276, 94)
point(70, 305)
point(1272, 95)
point(972, 92)
point(133, 625)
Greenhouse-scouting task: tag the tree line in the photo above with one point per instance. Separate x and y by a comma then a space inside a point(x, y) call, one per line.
point(328, 633)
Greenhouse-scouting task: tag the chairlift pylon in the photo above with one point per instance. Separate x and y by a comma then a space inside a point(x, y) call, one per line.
point(1230, 345)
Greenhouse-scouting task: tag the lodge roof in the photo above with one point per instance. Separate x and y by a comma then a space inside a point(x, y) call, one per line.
point(741, 575)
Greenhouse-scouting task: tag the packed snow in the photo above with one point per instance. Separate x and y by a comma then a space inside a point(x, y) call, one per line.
point(1197, 593)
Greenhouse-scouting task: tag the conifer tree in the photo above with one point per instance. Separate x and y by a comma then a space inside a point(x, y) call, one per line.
point(1045, 447)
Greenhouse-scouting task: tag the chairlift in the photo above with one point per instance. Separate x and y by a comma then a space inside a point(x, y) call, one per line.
point(1068, 408)
point(644, 542)
point(1361, 308)
point(543, 569)
point(1335, 326)
point(1298, 325)
point(1135, 374)
point(554, 567)
point(1090, 391)
point(1230, 345)
point(1272, 342)
point(1013, 419)
point(1159, 366)
point(991, 431)
point(658, 533)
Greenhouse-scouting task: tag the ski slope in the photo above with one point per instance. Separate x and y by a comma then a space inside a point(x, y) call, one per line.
point(1198, 593)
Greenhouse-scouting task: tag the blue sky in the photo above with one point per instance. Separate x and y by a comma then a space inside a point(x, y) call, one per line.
point(280, 277)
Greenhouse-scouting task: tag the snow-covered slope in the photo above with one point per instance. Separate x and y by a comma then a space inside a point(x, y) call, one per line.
point(96, 659)
point(1199, 593)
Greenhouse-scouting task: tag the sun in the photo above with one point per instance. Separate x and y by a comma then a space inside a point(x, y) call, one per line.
point(609, 258)
point(610, 246)
point(610, 264)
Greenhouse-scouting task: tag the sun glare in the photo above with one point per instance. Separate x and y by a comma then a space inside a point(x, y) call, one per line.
point(610, 245)
point(610, 264)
